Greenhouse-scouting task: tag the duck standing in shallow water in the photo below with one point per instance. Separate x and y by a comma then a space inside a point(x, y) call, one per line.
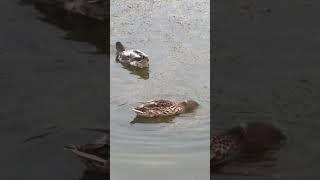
point(131, 57)
point(162, 108)
point(93, 155)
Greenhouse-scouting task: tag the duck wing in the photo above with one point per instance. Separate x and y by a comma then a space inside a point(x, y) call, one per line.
point(134, 55)
point(155, 108)
point(224, 147)
point(140, 53)
point(156, 104)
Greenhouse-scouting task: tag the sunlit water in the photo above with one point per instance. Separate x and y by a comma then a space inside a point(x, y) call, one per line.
point(267, 69)
point(175, 34)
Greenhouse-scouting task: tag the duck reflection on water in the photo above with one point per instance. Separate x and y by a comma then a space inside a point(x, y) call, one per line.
point(143, 73)
point(154, 120)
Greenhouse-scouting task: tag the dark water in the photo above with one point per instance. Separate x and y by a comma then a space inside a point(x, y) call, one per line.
point(52, 78)
point(175, 34)
point(267, 70)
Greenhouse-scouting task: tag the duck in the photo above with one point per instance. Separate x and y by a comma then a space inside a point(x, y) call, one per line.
point(226, 146)
point(93, 155)
point(131, 57)
point(163, 108)
point(244, 142)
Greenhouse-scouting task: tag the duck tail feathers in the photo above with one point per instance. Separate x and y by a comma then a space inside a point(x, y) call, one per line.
point(137, 111)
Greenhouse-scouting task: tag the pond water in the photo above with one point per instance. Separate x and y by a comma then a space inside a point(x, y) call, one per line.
point(176, 36)
point(267, 70)
point(52, 78)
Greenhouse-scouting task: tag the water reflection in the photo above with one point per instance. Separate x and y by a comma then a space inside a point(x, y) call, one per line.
point(178, 45)
point(78, 28)
point(143, 73)
point(87, 175)
point(153, 120)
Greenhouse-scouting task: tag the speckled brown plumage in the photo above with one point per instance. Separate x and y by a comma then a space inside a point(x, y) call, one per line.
point(158, 108)
point(225, 146)
point(250, 141)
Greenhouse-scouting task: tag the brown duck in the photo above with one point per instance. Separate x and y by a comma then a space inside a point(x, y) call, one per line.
point(225, 146)
point(248, 140)
point(162, 108)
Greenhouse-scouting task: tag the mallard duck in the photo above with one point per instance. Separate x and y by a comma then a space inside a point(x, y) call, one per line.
point(244, 142)
point(225, 146)
point(93, 155)
point(131, 57)
point(161, 108)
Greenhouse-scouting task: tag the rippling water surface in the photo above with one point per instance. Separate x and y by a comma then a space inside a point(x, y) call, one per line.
point(52, 79)
point(267, 69)
point(175, 34)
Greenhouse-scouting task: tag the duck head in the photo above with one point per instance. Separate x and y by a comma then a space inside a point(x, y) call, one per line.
point(189, 105)
point(120, 47)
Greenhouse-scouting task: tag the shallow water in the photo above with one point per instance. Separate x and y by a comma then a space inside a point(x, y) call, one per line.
point(50, 86)
point(267, 69)
point(175, 34)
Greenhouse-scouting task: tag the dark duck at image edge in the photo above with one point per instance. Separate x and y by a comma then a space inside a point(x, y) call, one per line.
point(249, 140)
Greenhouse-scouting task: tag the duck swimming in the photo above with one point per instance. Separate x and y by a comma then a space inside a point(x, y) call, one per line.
point(162, 108)
point(245, 142)
point(226, 146)
point(131, 57)
point(93, 155)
